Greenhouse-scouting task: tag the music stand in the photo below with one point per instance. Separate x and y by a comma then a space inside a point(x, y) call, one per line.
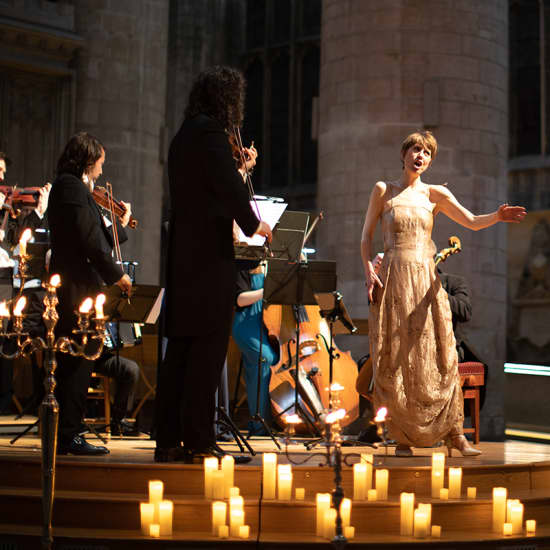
point(295, 284)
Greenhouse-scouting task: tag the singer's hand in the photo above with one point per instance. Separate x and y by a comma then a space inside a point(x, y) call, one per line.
point(264, 230)
point(125, 284)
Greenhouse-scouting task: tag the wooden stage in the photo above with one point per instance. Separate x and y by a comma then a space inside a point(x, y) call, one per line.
point(97, 499)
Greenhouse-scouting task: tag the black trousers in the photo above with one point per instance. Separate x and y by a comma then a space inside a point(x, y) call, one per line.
point(186, 390)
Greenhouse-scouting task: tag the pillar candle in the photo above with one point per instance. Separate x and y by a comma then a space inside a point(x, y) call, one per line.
point(499, 508)
point(156, 490)
point(359, 481)
point(427, 508)
point(154, 530)
point(236, 519)
point(228, 469)
point(236, 503)
point(269, 475)
point(219, 514)
point(436, 531)
point(372, 495)
point(407, 514)
point(234, 492)
point(516, 514)
point(284, 486)
point(382, 484)
point(367, 459)
point(507, 529)
point(531, 526)
point(218, 485)
point(244, 531)
point(345, 511)
point(438, 473)
point(166, 515)
point(223, 531)
point(300, 493)
point(455, 482)
point(147, 514)
point(329, 525)
point(509, 503)
point(420, 524)
point(444, 493)
point(472, 492)
point(210, 466)
point(323, 503)
point(349, 532)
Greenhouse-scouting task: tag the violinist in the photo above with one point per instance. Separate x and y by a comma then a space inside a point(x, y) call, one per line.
point(81, 245)
point(207, 195)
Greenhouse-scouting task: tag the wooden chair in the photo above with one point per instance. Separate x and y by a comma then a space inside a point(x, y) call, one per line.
point(472, 377)
point(102, 392)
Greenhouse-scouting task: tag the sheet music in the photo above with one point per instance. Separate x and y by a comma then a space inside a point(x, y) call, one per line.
point(270, 212)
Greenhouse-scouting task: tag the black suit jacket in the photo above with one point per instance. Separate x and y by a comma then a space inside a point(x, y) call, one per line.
point(207, 194)
point(81, 246)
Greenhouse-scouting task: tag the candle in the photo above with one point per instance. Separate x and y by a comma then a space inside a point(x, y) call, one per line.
point(236, 519)
point(349, 532)
point(269, 475)
point(99, 301)
point(86, 306)
point(345, 511)
point(368, 460)
point(444, 493)
point(438, 473)
point(236, 503)
point(223, 531)
point(382, 484)
point(147, 513)
point(55, 280)
point(156, 490)
point(455, 482)
point(166, 514)
point(323, 503)
point(218, 487)
point(329, 525)
point(4, 311)
point(154, 530)
point(372, 495)
point(25, 238)
point(436, 531)
point(516, 513)
point(244, 531)
point(228, 472)
point(219, 513)
point(407, 513)
point(359, 481)
point(471, 492)
point(509, 503)
point(499, 508)
point(234, 492)
point(427, 509)
point(300, 493)
point(420, 524)
point(531, 526)
point(210, 466)
point(285, 486)
point(19, 306)
point(507, 529)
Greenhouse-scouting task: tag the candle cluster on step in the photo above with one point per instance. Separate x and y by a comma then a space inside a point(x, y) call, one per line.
point(157, 514)
point(363, 480)
point(236, 527)
point(325, 524)
point(508, 515)
point(278, 479)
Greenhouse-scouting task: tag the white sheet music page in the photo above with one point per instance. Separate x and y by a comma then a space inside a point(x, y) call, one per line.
point(269, 212)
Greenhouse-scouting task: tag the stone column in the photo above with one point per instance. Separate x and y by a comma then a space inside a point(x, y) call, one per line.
point(121, 92)
point(390, 68)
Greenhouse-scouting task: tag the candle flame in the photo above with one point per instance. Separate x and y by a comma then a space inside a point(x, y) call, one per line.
point(55, 280)
point(86, 306)
point(19, 306)
point(26, 236)
point(381, 414)
point(336, 387)
point(334, 416)
point(292, 419)
point(4, 311)
point(99, 301)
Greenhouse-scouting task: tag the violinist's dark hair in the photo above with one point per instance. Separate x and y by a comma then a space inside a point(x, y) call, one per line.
point(218, 92)
point(5, 158)
point(81, 152)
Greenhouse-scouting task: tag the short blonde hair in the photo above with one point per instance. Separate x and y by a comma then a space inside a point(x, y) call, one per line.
point(426, 139)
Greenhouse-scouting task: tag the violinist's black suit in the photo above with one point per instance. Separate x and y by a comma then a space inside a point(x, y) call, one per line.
point(82, 255)
point(207, 194)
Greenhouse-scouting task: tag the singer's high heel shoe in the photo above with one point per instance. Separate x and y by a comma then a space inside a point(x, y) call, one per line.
point(461, 444)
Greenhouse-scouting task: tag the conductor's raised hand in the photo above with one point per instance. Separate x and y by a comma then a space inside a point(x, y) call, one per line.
point(264, 230)
point(125, 284)
point(511, 214)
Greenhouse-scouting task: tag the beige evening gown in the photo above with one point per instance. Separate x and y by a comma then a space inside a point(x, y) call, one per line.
point(410, 328)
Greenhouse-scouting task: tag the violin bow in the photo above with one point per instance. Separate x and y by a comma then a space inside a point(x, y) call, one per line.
point(114, 229)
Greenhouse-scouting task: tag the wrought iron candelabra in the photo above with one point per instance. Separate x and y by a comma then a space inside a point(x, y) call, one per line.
point(25, 345)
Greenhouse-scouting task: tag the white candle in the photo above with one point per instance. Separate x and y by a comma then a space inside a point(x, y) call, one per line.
point(210, 466)
point(436, 531)
point(499, 508)
point(4, 311)
point(516, 518)
point(156, 491)
point(427, 509)
point(531, 526)
point(147, 513)
point(99, 301)
point(407, 513)
point(345, 511)
point(223, 531)
point(367, 459)
point(269, 475)
point(323, 504)
point(236, 503)
point(349, 532)
point(509, 503)
point(372, 495)
point(154, 530)
point(219, 514)
point(420, 524)
point(471, 492)
point(329, 526)
point(382, 484)
point(438, 473)
point(234, 492)
point(236, 519)
point(228, 470)
point(359, 481)
point(166, 515)
point(455, 482)
point(300, 493)
point(507, 529)
point(244, 531)
point(444, 493)
point(285, 486)
point(218, 486)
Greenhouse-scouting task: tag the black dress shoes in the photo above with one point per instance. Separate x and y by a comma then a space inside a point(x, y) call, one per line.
point(214, 450)
point(79, 446)
point(123, 427)
point(172, 454)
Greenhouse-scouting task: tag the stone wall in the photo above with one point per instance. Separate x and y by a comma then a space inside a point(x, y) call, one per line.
point(387, 69)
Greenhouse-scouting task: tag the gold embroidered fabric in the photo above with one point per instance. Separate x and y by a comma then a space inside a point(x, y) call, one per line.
point(410, 328)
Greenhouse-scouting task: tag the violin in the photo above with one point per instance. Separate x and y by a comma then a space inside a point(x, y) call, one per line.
point(102, 197)
point(455, 246)
point(24, 197)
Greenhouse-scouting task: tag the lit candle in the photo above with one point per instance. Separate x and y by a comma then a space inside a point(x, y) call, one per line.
point(19, 306)
point(329, 526)
point(166, 514)
point(25, 238)
point(368, 460)
point(509, 503)
point(382, 484)
point(156, 491)
point(323, 504)
point(407, 513)
point(219, 514)
point(427, 509)
point(285, 486)
point(223, 531)
point(438, 473)
point(99, 301)
point(218, 487)
point(455, 482)
point(236, 519)
point(55, 280)
point(244, 531)
point(359, 481)
point(234, 492)
point(444, 493)
point(499, 508)
point(300, 493)
point(349, 532)
point(436, 531)
point(228, 473)
point(86, 306)
point(154, 530)
point(472, 492)
point(531, 526)
point(345, 511)
point(507, 529)
point(269, 475)
point(420, 524)
point(210, 466)
point(372, 495)
point(236, 503)
point(4, 311)
point(516, 514)
point(147, 513)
